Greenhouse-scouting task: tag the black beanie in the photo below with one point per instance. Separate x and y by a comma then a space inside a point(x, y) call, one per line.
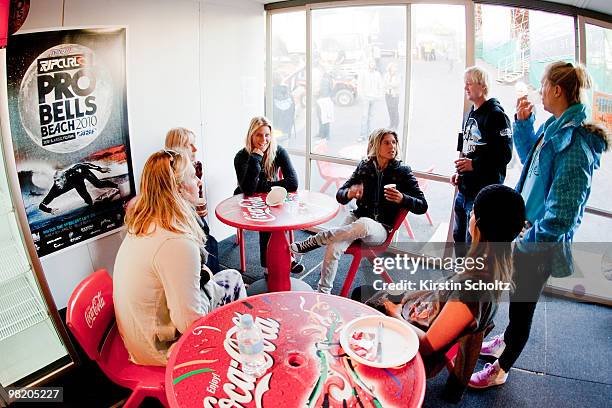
point(499, 212)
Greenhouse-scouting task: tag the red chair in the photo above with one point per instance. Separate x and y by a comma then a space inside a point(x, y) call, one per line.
point(358, 250)
point(423, 185)
point(331, 173)
point(90, 317)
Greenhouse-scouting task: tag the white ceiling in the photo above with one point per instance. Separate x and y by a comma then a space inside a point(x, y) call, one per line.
point(603, 6)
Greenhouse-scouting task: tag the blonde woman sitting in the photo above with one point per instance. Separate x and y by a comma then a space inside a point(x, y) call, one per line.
point(156, 280)
point(181, 138)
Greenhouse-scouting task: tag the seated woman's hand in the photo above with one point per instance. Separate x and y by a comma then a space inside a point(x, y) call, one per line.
point(392, 309)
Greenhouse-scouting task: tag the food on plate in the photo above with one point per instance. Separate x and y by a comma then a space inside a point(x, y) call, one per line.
point(363, 344)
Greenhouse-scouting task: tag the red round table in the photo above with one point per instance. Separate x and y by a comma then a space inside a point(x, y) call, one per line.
point(300, 210)
point(309, 368)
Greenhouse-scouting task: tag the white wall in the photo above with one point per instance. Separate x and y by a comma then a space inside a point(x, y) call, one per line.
point(233, 58)
point(197, 64)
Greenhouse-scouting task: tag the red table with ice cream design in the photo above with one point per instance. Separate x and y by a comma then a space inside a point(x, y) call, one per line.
point(309, 368)
point(300, 210)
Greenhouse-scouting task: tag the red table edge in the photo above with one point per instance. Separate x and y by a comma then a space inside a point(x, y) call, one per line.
point(264, 228)
point(172, 358)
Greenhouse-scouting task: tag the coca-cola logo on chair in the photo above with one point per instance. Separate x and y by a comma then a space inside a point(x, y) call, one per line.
point(93, 310)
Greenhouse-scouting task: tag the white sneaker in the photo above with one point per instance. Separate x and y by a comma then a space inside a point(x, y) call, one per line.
point(494, 347)
point(490, 376)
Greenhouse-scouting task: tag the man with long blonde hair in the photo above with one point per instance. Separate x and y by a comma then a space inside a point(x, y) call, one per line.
point(381, 185)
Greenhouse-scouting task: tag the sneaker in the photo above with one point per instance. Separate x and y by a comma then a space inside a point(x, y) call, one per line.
point(296, 267)
point(489, 376)
point(494, 347)
point(304, 246)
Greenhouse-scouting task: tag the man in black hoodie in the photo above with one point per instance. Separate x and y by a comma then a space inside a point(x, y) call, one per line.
point(486, 149)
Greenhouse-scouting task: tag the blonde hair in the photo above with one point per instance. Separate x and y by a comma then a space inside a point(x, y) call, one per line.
point(375, 140)
point(498, 259)
point(479, 76)
point(179, 138)
point(572, 80)
point(270, 153)
point(160, 202)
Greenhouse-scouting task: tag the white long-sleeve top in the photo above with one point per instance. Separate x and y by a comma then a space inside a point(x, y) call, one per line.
point(156, 291)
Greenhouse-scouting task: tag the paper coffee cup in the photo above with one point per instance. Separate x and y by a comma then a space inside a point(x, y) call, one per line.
point(392, 185)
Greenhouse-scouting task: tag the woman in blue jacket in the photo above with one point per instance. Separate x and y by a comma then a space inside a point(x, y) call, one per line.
point(559, 160)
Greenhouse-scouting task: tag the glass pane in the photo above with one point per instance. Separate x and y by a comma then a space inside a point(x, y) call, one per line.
point(514, 46)
point(592, 253)
point(299, 164)
point(327, 178)
point(358, 72)
point(289, 78)
point(431, 228)
point(25, 322)
point(599, 64)
point(594, 228)
point(438, 61)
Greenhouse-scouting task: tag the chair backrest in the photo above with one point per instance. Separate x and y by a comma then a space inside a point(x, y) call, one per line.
point(91, 312)
point(424, 183)
point(324, 167)
point(399, 218)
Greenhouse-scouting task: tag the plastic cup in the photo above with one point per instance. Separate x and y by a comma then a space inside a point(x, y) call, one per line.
point(521, 89)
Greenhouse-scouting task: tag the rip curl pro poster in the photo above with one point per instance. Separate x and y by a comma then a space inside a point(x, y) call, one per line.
point(69, 127)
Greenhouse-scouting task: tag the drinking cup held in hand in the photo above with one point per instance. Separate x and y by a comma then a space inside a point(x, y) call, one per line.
point(390, 186)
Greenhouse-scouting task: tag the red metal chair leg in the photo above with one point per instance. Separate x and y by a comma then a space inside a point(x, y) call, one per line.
point(135, 399)
point(429, 218)
point(326, 185)
point(350, 277)
point(408, 228)
point(387, 277)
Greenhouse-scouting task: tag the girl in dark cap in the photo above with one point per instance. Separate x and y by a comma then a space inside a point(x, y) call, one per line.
point(465, 302)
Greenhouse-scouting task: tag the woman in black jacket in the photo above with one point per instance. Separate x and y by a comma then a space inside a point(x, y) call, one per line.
point(257, 168)
point(377, 206)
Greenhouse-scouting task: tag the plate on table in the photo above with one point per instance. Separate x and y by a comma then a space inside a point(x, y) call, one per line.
point(359, 339)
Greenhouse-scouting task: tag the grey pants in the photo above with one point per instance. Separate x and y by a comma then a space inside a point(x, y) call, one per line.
point(340, 238)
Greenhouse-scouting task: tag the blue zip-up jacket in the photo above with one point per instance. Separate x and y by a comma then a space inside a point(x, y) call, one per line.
point(570, 152)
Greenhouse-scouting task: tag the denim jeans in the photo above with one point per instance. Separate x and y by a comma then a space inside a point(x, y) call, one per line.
point(340, 238)
point(463, 208)
point(367, 117)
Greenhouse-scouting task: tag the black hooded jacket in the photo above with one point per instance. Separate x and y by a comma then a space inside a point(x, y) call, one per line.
point(487, 140)
point(373, 203)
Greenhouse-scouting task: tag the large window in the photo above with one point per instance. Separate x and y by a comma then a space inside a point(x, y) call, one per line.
point(358, 72)
point(436, 87)
point(401, 66)
point(599, 64)
point(514, 45)
point(288, 107)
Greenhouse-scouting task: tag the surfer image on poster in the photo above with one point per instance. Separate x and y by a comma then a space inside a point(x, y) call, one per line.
point(74, 178)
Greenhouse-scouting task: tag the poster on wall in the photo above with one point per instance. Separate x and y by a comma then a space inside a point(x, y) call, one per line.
point(69, 127)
